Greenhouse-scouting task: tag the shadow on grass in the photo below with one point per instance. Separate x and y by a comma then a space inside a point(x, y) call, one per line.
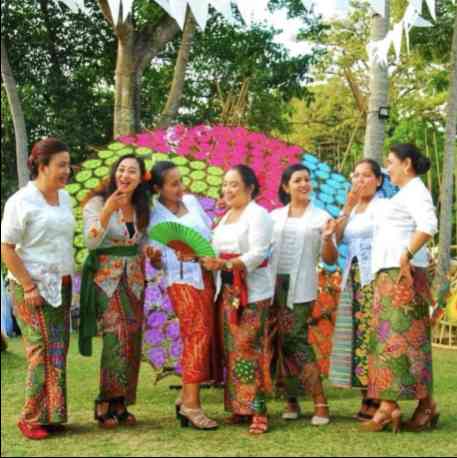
point(12, 360)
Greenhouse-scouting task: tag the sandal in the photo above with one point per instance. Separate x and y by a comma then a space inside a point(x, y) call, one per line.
point(259, 425)
point(319, 420)
point(104, 416)
point(423, 419)
point(119, 410)
point(292, 412)
point(33, 432)
point(197, 419)
point(126, 418)
point(382, 420)
point(368, 404)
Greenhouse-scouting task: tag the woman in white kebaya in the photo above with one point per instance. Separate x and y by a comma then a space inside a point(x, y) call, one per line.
point(37, 248)
point(303, 234)
point(400, 351)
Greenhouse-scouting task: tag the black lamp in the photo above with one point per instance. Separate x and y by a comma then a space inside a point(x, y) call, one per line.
point(384, 113)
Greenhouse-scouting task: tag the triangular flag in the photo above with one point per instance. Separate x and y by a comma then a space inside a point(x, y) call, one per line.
point(165, 4)
point(246, 9)
point(200, 10)
point(179, 10)
point(127, 6)
point(224, 7)
point(421, 22)
point(114, 6)
point(432, 8)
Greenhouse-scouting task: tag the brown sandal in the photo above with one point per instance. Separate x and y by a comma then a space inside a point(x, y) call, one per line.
point(197, 419)
point(423, 419)
point(392, 418)
point(259, 425)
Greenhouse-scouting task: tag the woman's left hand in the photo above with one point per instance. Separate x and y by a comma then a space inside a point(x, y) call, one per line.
point(212, 264)
point(406, 271)
point(154, 254)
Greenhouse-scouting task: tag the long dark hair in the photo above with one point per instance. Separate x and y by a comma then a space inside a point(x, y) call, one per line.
point(140, 198)
point(158, 174)
point(375, 168)
point(285, 180)
point(421, 164)
point(249, 178)
point(42, 153)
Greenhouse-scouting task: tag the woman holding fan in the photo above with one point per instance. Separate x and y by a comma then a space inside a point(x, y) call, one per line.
point(191, 291)
point(243, 239)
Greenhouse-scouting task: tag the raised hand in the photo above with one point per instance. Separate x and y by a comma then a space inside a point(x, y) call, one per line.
point(154, 254)
point(116, 201)
point(329, 229)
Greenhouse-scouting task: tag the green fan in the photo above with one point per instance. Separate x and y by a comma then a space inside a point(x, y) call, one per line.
point(182, 238)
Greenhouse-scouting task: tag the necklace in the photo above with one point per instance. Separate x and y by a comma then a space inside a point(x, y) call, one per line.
point(176, 212)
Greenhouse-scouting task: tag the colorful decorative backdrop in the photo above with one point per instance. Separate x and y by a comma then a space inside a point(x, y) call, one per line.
point(203, 154)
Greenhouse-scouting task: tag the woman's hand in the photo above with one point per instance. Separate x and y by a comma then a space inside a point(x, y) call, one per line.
point(212, 264)
point(116, 201)
point(185, 257)
point(33, 297)
point(354, 197)
point(153, 254)
point(406, 271)
point(329, 229)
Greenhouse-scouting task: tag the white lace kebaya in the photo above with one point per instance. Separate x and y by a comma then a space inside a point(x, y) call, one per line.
point(43, 237)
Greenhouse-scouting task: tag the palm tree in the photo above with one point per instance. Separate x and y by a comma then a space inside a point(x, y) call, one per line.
point(17, 114)
point(379, 92)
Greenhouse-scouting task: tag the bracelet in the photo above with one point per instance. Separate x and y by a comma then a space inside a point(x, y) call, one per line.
point(31, 290)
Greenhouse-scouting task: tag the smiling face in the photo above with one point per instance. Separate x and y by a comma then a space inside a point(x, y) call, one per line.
point(365, 178)
point(299, 187)
point(173, 188)
point(128, 176)
point(236, 193)
point(57, 172)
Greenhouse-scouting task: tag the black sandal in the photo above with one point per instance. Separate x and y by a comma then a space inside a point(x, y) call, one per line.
point(369, 403)
point(106, 420)
point(120, 412)
point(126, 418)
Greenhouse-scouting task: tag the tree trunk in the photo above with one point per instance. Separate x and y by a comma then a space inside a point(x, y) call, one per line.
point(171, 109)
point(449, 164)
point(20, 131)
point(136, 48)
point(379, 93)
point(125, 119)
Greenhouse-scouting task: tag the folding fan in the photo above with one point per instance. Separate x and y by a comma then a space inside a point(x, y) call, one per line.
point(182, 238)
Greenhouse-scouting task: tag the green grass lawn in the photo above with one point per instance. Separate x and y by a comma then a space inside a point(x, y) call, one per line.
point(158, 433)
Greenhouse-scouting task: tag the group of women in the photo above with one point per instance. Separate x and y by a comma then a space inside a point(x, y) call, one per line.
point(244, 315)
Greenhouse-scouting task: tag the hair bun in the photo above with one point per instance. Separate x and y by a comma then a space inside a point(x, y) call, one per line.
point(423, 165)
